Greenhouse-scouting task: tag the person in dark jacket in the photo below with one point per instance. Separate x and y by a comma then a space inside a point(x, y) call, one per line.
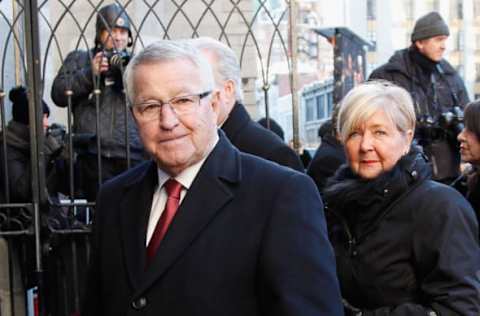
point(328, 157)
point(241, 236)
point(17, 134)
point(404, 244)
point(272, 125)
point(241, 130)
point(94, 79)
point(469, 140)
point(15, 168)
point(436, 89)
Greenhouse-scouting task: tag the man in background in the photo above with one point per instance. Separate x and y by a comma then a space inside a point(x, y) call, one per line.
point(437, 90)
point(241, 130)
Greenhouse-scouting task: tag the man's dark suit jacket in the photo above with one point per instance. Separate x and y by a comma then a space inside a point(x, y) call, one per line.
point(249, 238)
point(250, 137)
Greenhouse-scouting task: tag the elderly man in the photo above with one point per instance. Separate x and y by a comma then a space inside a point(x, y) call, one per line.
point(436, 89)
point(241, 130)
point(204, 229)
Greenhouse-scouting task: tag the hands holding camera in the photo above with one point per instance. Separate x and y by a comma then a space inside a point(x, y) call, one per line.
point(100, 63)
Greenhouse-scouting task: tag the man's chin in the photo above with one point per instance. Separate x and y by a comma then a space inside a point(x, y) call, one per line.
point(173, 169)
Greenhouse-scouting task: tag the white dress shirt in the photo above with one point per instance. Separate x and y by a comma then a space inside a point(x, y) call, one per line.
point(185, 178)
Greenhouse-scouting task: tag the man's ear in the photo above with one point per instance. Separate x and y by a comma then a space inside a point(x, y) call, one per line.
point(229, 87)
point(215, 102)
point(229, 95)
point(419, 44)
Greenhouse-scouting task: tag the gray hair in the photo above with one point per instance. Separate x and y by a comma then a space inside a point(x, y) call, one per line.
point(366, 99)
point(167, 51)
point(227, 66)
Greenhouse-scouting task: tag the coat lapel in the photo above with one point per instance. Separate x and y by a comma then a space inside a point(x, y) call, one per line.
point(206, 198)
point(134, 210)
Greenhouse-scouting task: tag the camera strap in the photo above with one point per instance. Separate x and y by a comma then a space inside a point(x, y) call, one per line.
point(433, 82)
point(422, 109)
point(452, 92)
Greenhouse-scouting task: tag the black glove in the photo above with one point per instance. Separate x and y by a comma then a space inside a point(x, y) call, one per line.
point(58, 132)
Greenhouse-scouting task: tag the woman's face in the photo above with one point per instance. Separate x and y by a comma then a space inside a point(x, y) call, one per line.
point(469, 146)
point(376, 145)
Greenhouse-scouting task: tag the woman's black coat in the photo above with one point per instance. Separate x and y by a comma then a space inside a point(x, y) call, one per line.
point(405, 245)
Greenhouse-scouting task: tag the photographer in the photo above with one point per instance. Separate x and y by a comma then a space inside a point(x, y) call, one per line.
point(100, 69)
point(438, 92)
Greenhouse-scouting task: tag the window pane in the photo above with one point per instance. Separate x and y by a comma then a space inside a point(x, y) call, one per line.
point(321, 107)
point(310, 105)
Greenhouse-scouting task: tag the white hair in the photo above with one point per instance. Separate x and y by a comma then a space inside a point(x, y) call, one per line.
point(226, 67)
point(167, 51)
point(366, 99)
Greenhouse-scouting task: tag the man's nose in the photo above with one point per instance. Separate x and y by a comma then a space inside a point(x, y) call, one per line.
point(168, 118)
point(461, 136)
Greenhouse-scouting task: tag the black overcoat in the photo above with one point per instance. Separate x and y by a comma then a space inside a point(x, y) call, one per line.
point(250, 137)
point(249, 238)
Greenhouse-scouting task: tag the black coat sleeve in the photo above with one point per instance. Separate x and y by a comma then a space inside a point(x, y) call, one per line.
point(462, 93)
point(19, 176)
point(395, 77)
point(447, 257)
point(76, 75)
point(297, 273)
point(285, 156)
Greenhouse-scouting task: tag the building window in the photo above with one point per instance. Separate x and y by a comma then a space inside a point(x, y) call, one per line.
point(330, 103)
point(310, 107)
point(371, 8)
point(456, 8)
point(460, 9)
point(476, 8)
point(321, 113)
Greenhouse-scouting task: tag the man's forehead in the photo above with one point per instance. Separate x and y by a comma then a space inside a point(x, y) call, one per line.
point(436, 38)
point(174, 77)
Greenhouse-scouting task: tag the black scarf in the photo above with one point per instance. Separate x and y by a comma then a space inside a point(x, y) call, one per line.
point(360, 201)
point(427, 65)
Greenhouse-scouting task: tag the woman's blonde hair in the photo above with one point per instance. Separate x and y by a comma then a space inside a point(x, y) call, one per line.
point(366, 99)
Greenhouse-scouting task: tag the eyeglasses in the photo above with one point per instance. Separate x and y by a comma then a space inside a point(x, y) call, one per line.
point(184, 104)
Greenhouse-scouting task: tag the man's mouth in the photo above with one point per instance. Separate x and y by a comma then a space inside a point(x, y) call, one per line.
point(172, 138)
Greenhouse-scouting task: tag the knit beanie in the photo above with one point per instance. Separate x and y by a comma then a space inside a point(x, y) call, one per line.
point(429, 25)
point(19, 98)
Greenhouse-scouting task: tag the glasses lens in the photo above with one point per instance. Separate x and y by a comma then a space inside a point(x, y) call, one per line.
point(149, 111)
point(184, 104)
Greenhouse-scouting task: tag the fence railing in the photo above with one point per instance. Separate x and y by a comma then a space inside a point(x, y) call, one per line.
point(44, 235)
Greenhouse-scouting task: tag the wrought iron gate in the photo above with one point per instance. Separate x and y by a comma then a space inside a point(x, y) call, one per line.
point(43, 261)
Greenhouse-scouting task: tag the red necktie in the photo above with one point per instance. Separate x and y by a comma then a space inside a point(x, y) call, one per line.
point(173, 189)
